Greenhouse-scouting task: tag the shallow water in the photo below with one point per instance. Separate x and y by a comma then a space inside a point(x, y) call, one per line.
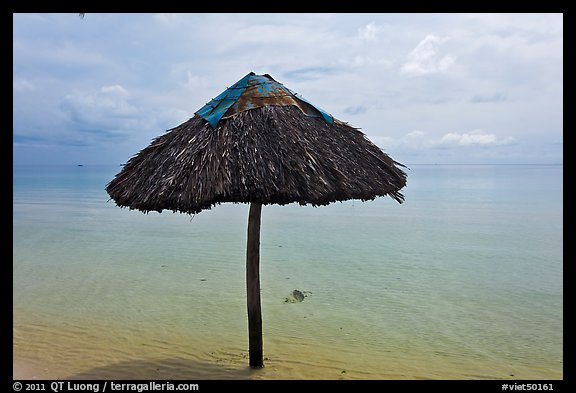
point(462, 281)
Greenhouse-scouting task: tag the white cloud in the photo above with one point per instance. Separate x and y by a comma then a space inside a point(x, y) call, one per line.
point(425, 59)
point(114, 90)
point(106, 109)
point(489, 98)
point(366, 60)
point(414, 140)
point(419, 140)
point(113, 112)
point(169, 20)
point(369, 33)
point(195, 82)
point(67, 55)
point(476, 137)
point(22, 84)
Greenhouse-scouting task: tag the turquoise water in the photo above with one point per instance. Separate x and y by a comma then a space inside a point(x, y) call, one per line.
point(463, 280)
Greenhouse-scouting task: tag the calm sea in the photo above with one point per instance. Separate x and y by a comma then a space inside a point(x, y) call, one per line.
point(462, 281)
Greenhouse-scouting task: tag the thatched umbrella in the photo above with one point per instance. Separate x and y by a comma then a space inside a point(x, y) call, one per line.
point(259, 143)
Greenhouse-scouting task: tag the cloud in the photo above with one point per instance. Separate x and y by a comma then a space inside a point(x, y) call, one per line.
point(369, 33)
point(476, 137)
point(461, 147)
point(22, 85)
point(366, 60)
point(355, 110)
point(112, 100)
point(114, 90)
point(28, 140)
point(195, 82)
point(281, 35)
point(66, 56)
point(496, 97)
point(309, 72)
point(108, 110)
point(112, 114)
point(414, 140)
point(169, 20)
point(425, 59)
point(419, 140)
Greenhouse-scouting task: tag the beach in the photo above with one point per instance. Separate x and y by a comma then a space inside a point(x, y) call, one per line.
point(284, 360)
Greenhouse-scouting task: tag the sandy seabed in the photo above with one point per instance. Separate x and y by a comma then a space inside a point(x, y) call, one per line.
point(285, 361)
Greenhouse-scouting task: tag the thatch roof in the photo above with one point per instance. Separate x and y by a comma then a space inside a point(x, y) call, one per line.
point(271, 154)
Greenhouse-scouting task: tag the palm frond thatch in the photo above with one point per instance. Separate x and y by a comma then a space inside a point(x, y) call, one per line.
point(268, 155)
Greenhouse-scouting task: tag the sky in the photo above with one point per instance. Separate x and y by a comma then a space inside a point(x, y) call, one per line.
point(426, 88)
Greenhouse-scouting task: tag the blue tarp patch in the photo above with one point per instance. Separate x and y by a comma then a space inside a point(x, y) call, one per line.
point(254, 91)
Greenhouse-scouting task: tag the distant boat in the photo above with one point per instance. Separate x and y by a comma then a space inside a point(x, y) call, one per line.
point(80, 165)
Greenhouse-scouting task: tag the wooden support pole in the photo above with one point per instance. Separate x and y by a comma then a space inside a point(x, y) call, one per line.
point(253, 286)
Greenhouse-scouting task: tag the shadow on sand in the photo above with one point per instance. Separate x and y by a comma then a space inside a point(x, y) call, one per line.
point(165, 369)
